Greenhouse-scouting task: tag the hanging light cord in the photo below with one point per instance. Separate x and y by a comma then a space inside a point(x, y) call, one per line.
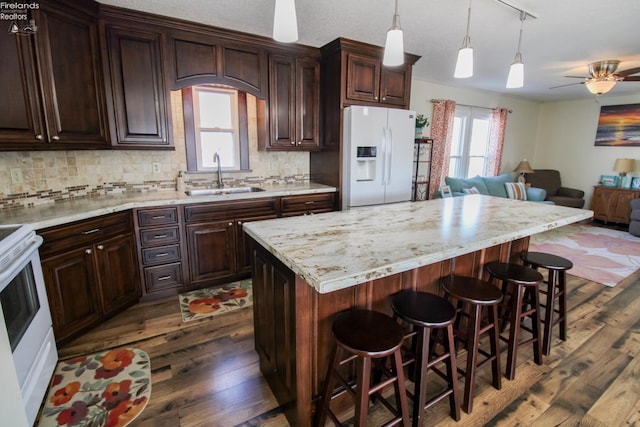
point(523, 16)
point(467, 40)
point(395, 25)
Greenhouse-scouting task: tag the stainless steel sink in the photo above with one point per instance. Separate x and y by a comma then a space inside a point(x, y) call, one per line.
point(222, 191)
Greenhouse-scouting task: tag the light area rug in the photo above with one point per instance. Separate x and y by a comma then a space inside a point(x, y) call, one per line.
point(213, 301)
point(598, 254)
point(106, 389)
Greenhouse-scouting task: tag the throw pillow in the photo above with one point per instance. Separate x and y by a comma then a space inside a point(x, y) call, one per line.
point(495, 184)
point(516, 190)
point(459, 184)
point(472, 190)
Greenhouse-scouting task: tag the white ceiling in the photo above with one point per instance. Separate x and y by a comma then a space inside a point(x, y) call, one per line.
point(567, 36)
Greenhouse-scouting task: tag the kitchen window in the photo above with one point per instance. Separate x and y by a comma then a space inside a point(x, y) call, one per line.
point(215, 122)
point(470, 141)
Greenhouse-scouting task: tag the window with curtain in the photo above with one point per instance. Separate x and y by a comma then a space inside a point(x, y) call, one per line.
point(213, 124)
point(470, 142)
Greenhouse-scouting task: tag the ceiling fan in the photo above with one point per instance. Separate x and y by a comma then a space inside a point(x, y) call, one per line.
point(604, 76)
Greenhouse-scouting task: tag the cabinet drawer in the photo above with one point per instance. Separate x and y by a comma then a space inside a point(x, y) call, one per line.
point(307, 203)
point(162, 254)
point(159, 236)
point(222, 211)
point(163, 277)
point(158, 216)
point(79, 233)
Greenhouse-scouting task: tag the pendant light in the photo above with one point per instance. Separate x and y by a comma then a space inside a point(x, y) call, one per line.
point(464, 64)
point(516, 72)
point(394, 46)
point(285, 23)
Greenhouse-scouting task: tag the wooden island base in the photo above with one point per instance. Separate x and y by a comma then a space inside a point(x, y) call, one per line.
point(293, 321)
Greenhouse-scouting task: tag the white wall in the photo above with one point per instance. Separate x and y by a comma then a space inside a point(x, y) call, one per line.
point(554, 135)
point(522, 122)
point(565, 141)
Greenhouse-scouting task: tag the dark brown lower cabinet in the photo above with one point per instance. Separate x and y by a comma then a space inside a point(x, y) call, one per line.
point(211, 251)
point(90, 270)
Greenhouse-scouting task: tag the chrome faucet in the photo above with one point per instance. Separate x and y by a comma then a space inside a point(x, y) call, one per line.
point(216, 158)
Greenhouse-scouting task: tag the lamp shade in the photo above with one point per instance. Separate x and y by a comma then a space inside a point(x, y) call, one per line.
point(523, 167)
point(600, 85)
point(515, 79)
point(393, 48)
point(285, 23)
point(624, 165)
point(464, 64)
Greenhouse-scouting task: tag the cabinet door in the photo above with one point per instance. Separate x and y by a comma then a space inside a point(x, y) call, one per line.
point(621, 208)
point(600, 203)
point(243, 244)
point(72, 291)
point(140, 101)
point(282, 102)
point(118, 272)
point(363, 78)
point(211, 251)
point(395, 85)
point(21, 120)
point(307, 104)
point(72, 84)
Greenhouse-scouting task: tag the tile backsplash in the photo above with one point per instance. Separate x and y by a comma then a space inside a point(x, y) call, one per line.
point(37, 177)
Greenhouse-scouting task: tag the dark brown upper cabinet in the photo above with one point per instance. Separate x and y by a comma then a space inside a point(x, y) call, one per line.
point(294, 103)
point(140, 106)
point(54, 82)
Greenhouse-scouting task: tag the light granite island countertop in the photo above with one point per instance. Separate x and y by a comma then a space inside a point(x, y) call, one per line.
point(341, 249)
point(308, 269)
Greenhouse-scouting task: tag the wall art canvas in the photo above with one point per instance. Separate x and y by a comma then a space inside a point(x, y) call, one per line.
point(619, 126)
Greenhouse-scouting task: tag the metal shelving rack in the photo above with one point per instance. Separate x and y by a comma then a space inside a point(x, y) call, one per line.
point(422, 168)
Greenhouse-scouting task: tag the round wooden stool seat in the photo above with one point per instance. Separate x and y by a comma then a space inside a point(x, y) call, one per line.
point(514, 273)
point(472, 290)
point(423, 309)
point(367, 337)
point(521, 301)
point(367, 333)
point(427, 313)
point(545, 260)
point(473, 296)
point(555, 291)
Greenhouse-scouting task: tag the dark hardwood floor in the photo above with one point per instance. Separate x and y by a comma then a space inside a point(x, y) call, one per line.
point(205, 373)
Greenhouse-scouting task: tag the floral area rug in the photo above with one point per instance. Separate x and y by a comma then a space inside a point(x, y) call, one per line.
point(106, 389)
point(598, 254)
point(213, 301)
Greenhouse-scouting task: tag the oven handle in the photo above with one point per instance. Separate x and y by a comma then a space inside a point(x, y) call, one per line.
point(10, 270)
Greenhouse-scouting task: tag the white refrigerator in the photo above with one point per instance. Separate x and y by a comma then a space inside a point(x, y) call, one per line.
point(378, 150)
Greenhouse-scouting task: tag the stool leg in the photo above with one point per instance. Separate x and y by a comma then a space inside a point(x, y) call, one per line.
point(400, 387)
point(548, 313)
point(452, 375)
point(363, 368)
point(422, 359)
point(327, 391)
point(562, 292)
point(536, 327)
point(494, 342)
point(514, 330)
point(472, 358)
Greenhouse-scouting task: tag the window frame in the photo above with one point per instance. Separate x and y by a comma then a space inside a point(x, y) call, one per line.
point(467, 115)
point(191, 129)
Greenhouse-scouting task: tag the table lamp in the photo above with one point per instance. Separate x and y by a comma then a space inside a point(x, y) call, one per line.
point(522, 168)
point(623, 166)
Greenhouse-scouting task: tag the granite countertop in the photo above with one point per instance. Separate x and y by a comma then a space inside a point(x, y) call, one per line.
point(67, 211)
point(337, 250)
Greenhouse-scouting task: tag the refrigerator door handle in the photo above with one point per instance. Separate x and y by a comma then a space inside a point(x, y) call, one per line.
point(390, 156)
point(384, 157)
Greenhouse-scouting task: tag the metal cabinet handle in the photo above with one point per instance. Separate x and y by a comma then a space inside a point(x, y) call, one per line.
point(88, 251)
point(375, 97)
point(230, 223)
point(158, 217)
point(95, 230)
point(163, 254)
point(100, 247)
point(384, 98)
point(55, 138)
point(310, 202)
point(39, 137)
point(164, 278)
point(293, 143)
point(159, 236)
point(239, 222)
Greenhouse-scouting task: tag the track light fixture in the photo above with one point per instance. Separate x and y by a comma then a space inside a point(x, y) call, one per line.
point(516, 71)
point(394, 46)
point(464, 64)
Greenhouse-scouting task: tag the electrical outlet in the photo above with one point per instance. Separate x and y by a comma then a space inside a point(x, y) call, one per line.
point(155, 167)
point(16, 176)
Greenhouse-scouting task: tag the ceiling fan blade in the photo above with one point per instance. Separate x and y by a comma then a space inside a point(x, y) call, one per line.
point(576, 77)
point(570, 84)
point(628, 72)
point(631, 79)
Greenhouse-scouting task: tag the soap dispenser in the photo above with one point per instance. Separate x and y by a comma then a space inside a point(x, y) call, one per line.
point(180, 182)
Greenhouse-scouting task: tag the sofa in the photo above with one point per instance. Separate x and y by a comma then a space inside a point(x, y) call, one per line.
point(549, 179)
point(493, 186)
point(634, 224)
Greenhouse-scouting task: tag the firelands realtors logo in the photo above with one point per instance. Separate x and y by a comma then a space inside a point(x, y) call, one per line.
point(17, 16)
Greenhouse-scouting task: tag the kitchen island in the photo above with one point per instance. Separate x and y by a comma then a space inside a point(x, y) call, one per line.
point(307, 269)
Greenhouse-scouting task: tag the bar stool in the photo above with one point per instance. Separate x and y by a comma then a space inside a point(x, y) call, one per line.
point(476, 295)
point(524, 281)
point(367, 337)
point(428, 313)
point(556, 290)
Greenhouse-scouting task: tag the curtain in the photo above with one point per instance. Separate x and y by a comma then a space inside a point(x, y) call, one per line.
point(496, 140)
point(441, 132)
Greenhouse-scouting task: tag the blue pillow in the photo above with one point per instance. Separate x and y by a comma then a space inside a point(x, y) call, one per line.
point(458, 185)
point(495, 184)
